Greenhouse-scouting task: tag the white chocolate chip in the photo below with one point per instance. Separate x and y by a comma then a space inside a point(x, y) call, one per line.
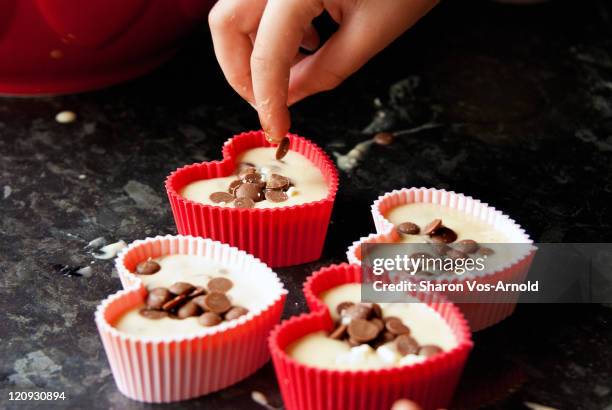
point(110, 251)
point(292, 191)
point(411, 359)
point(356, 356)
point(387, 354)
point(346, 320)
point(65, 117)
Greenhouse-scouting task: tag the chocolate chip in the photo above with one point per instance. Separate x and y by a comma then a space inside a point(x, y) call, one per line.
point(276, 196)
point(181, 288)
point(152, 314)
point(233, 186)
point(199, 300)
point(216, 302)
point(353, 342)
point(219, 285)
point(408, 228)
point(249, 190)
point(197, 292)
point(243, 166)
point(209, 319)
point(387, 336)
point(396, 326)
point(276, 181)
point(438, 247)
point(283, 148)
point(339, 332)
point(483, 250)
point(246, 170)
point(236, 312)
point(443, 235)
point(187, 310)
point(358, 311)
point(377, 310)
point(406, 345)
point(456, 254)
point(147, 267)
point(429, 350)
point(174, 302)
point(432, 226)
point(384, 138)
point(467, 246)
point(343, 306)
point(157, 297)
point(218, 197)
point(252, 178)
point(362, 331)
point(379, 323)
point(244, 203)
point(421, 255)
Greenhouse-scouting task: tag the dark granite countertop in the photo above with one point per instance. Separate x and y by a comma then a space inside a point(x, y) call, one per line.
point(523, 96)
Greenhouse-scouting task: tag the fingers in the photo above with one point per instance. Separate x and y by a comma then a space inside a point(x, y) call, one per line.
point(281, 30)
point(364, 32)
point(310, 40)
point(232, 22)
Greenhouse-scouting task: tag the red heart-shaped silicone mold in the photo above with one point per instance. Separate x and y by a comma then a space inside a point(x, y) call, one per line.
point(431, 383)
point(278, 236)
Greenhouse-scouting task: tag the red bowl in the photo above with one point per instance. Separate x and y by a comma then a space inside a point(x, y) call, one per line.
point(64, 46)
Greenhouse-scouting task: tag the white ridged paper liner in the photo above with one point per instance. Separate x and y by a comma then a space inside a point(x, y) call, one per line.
point(175, 367)
point(479, 315)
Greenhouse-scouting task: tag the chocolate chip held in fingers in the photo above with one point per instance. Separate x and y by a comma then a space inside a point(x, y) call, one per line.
point(283, 148)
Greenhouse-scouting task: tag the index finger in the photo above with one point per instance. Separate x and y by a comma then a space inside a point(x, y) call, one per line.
point(280, 33)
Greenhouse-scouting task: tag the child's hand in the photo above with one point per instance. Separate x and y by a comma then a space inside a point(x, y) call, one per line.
point(257, 44)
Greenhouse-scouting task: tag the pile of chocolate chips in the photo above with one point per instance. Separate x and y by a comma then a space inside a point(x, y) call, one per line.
point(183, 300)
point(250, 187)
point(440, 235)
point(368, 326)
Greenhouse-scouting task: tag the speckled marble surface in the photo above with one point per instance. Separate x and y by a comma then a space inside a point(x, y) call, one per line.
point(523, 97)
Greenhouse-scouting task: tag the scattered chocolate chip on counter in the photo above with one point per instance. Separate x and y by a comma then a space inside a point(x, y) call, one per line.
point(384, 138)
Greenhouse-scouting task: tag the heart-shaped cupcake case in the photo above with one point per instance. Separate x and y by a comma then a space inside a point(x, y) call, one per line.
point(281, 236)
